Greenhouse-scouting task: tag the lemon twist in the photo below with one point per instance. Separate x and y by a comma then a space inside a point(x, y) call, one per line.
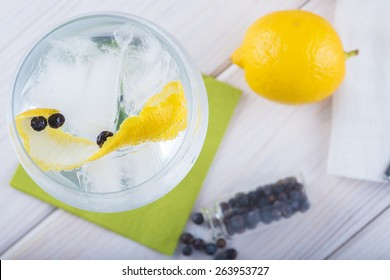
point(162, 118)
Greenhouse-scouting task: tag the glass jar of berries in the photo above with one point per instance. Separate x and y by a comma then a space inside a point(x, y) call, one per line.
point(257, 207)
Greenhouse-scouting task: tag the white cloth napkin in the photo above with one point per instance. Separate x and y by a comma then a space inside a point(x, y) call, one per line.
point(360, 137)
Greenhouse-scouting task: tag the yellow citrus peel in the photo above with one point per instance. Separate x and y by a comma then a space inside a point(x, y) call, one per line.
point(292, 57)
point(162, 118)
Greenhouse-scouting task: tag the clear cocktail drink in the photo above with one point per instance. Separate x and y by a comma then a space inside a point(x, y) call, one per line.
point(108, 112)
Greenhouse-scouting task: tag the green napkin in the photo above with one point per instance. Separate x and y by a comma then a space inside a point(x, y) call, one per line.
point(159, 224)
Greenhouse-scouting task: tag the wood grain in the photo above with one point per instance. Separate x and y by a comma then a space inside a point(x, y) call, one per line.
point(348, 218)
point(24, 22)
point(371, 243)
point(288, 140)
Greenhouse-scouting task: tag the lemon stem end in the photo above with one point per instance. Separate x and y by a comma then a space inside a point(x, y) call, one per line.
point(351, 53)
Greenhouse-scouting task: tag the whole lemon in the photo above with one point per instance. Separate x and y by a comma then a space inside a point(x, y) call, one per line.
point(292, 57)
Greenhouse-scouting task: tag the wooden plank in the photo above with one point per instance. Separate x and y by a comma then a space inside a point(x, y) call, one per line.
point(20, 212)
point(63, 236)
point(283, 140)
point(23, 23)
point(372, 243)
point(341, 207)
point(326, 8)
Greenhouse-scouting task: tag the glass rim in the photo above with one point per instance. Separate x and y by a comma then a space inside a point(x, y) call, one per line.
point(185, 64)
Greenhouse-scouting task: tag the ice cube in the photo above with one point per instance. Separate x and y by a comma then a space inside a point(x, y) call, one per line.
point(169, 148)
point(101, 176)
point(146, 67)
point(122, 169)
point(123, 36)
point(81, 83)
point(72, 50)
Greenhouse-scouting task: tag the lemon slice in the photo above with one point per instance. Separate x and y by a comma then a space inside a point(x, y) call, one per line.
point(163, 117)
point(52, 149)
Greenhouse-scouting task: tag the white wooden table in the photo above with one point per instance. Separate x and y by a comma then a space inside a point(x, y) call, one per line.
point(348, 220)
